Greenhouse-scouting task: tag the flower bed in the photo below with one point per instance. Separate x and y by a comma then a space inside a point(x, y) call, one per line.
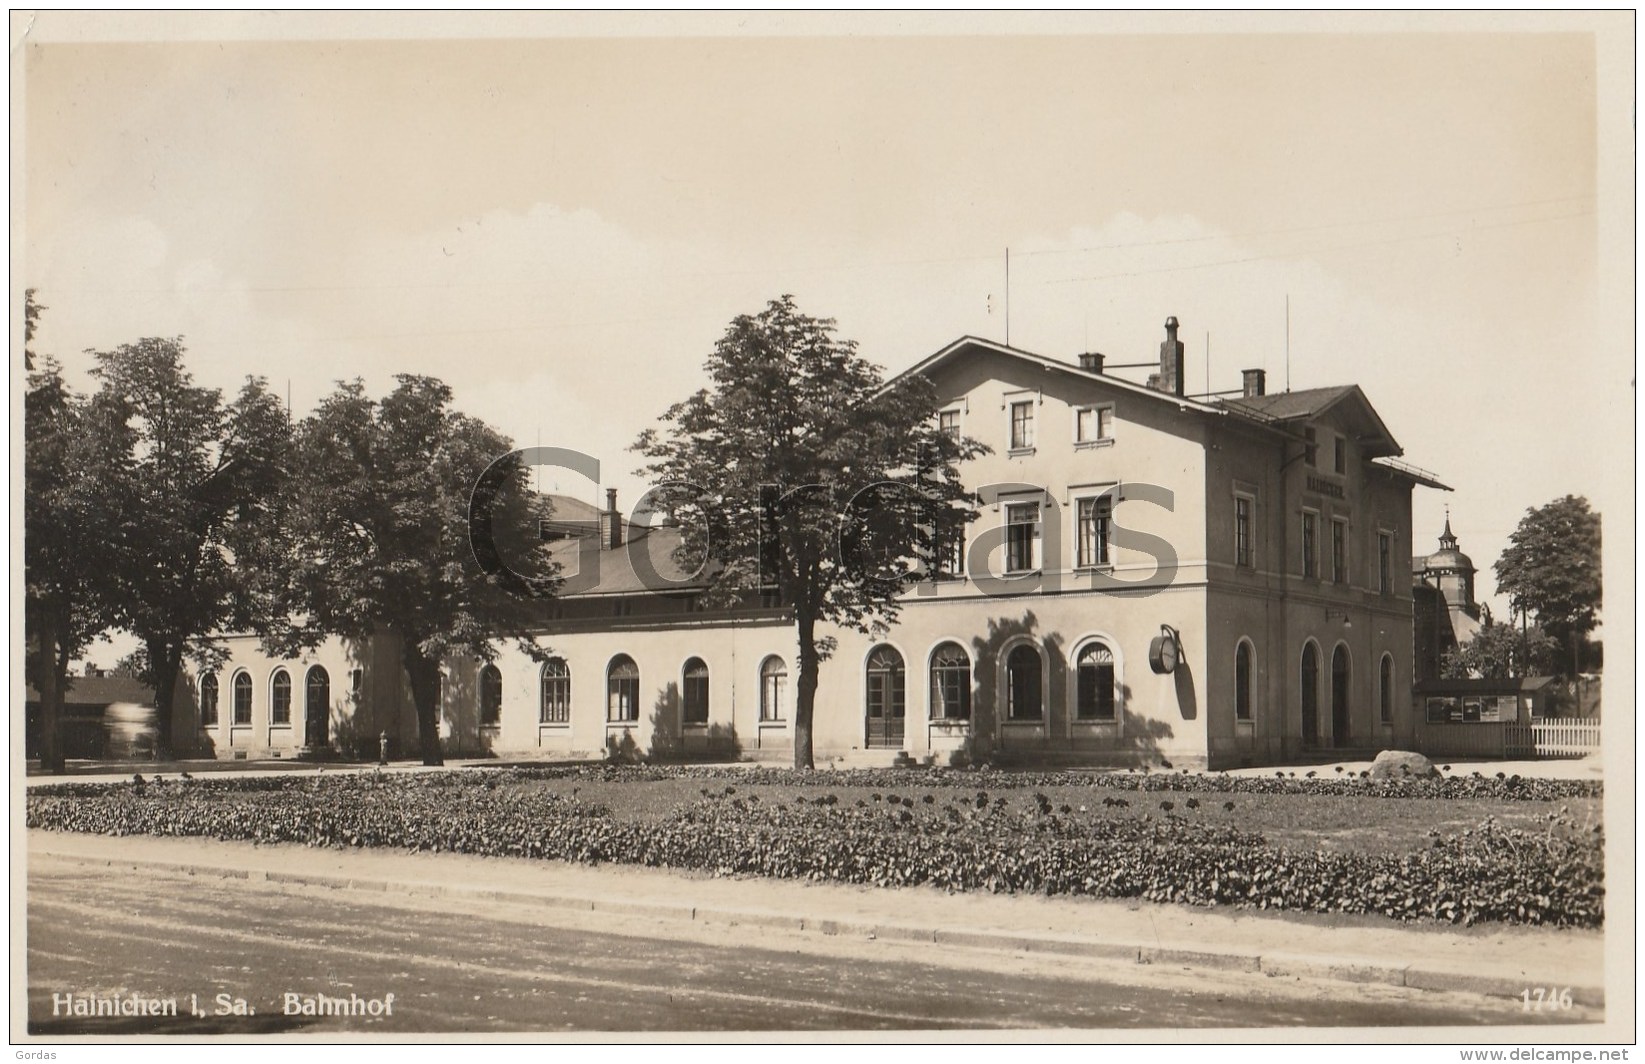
point(969, 839)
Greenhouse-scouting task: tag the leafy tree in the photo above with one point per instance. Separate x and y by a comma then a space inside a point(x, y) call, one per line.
point(1550, 571)
point(799, 469)
point(65, 465)
point(1500, 652)
point(379, 535)
point(194, 489)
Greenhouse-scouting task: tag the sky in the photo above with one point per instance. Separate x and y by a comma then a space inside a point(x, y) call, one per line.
point(561, 226)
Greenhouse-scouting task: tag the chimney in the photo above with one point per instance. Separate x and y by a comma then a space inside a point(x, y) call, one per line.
point(1256, 382)
point(1091, 360)
point(1170, 361)
point(611, 522)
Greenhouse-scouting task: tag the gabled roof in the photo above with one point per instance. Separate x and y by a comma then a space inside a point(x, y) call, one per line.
point(1312, 403)
point(954, 349)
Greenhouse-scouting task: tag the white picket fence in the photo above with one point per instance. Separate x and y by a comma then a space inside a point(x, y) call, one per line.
point(1552, 738)
point(1546, 738)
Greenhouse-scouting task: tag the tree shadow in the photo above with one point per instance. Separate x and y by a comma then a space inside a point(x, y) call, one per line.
point(672, 740)
point(1136, 740)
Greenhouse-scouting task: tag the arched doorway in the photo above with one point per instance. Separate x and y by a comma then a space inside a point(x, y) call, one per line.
point(1339, 696)
point(317, 708)
point(886, 697)
point(1310, 693)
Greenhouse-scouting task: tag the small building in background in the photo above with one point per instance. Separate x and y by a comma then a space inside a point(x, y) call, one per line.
point(103, 717)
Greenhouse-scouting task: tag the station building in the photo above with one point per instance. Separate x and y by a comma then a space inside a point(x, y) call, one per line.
point(1154, 577)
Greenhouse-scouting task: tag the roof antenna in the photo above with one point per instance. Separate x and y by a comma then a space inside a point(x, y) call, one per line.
point(1287, 341)
point(1007, 297)
point(1207, 361)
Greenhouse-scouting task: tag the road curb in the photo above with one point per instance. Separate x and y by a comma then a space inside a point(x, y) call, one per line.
point(1278, 965)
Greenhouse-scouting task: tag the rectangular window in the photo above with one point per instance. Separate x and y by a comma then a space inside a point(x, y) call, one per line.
point(1311, 454)
point(1342, 455)
point(1385, 563)
point(1310, 544)
point(1022, 426)
point(1022, 533)
point(1095, 517)
point(950, 554)
point(1242, 531)
point(1339, 552)
point(1093, 424)
point(949, 421)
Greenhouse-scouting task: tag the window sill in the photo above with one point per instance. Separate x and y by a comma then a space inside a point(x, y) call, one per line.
point(1092, 445)
point(492, 727)
point(773, 724)
point(1099, 567)
point(1248, 724)
point(622, 723)
point(1020, 452)
point(1024, 722)
point(555, 725)
point(1096, 722)
point(279, 727)
point(694, 725)
point(951, 723)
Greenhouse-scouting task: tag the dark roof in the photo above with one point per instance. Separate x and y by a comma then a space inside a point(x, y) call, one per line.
point(568, 509)
point(617, 575)
point(100, 691)
point(1287, 406)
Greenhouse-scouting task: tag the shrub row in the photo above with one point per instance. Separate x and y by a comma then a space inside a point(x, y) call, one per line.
point(966, 842)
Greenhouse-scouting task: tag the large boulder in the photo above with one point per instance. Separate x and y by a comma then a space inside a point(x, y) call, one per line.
point(1395, 764)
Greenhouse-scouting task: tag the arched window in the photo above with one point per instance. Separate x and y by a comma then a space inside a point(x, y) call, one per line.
point(555, 707)
point(773, 688)
point(279, 698)
point(695, 685)
point(1095, 668)
point(622, 689)
point(242, 698)
point(491, 696)
point(1386, 692)
point(208, 700)
point(1022, 684)
point(950, 683)
point(886, 696)
point(1242, 681)
point(317, 707)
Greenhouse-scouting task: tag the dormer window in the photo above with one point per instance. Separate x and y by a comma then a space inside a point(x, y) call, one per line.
point(1342, 455)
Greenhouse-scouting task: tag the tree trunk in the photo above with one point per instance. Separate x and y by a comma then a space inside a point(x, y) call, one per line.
point(165, 662)
point(425, 687)
point(807, 695)
point(51, 669)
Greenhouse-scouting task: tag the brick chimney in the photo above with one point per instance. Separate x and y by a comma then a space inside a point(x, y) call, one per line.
point(1170, 361)
point(611, 521)
point(1256, 382)
point(1091, 360)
